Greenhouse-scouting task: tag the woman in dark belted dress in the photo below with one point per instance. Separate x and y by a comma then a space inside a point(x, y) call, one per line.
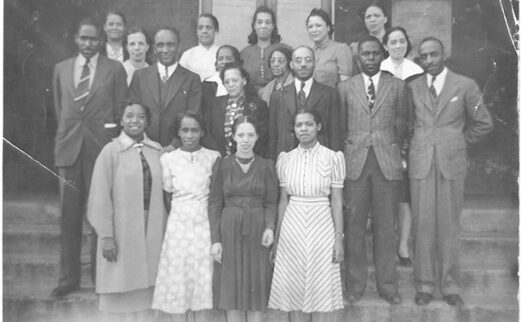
point(242, 211)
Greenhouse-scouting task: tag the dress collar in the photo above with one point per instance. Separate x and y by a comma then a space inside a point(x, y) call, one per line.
point(310, 151)
point(126, 142)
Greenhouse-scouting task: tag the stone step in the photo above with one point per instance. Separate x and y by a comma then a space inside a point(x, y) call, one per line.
point(82, 306)
point(499, 249)
point(496, 250)
point(42, 274)
point(480, 213)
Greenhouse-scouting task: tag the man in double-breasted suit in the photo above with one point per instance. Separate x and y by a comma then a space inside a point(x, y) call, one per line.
point(447, 113)
point(88, 89)
point(303, 92)
point(374, 111)
point(167, 88)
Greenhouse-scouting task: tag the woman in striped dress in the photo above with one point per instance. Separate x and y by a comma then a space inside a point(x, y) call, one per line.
point(309, 249)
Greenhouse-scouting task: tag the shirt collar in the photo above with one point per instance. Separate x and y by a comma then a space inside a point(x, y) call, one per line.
point(126, 142)
point(311, 151)
point(80, 60)
point(375, 78)
point(221, 90)
point(440, 78)
point(307, 85)
point(171, 69)
point(324, 43)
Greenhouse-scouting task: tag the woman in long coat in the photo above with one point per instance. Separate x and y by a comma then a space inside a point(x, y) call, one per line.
point(127, 212)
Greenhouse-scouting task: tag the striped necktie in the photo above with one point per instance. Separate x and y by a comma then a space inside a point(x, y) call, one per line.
point(82, 91)
point(301, 96)
point(432, 89)
point(371, 94)
point(164, 79)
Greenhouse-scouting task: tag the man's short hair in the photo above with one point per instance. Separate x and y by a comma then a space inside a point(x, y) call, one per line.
point(369, 38)
point(303, 46)
point(88, 21)
point(430, 38)
point(170, 28)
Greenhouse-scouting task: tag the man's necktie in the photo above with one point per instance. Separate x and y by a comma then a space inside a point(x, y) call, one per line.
point(371, 94)
point(82, 91)
point(165, 76)
point(432, 89)
point(301, 96)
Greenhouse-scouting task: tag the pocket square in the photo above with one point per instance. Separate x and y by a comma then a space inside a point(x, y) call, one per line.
point(454, 99)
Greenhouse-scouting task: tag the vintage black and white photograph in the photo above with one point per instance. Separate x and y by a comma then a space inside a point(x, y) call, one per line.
point(260, 160)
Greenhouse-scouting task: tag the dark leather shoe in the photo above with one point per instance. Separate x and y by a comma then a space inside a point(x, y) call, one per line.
point(405, 261)
point(393, 299)
point(422, 298)
point(453, 300)
point(63, 290)
point(353, 297)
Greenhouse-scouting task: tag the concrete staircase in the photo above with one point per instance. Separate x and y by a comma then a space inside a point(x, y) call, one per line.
point(489, 251)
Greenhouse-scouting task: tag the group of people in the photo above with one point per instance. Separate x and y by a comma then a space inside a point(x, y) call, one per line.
point(240, 180)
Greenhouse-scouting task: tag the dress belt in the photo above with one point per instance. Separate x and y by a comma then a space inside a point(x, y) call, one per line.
point(246, 205)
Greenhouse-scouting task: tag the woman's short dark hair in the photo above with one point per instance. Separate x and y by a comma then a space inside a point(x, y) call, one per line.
point(127, 103)
point(385, 39)
point(316, 12)
point(287, 52)
point(192, 115)
point(275, 37)
point(378, 4)
point(245, 119)
point(249, 90)
point(306, 110)
point(214, 20)
point(137, 30)
point(116, 13)
point(235, 52)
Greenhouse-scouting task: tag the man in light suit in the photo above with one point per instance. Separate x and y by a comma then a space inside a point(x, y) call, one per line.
point(167, 88)
point(374, 110)
point(303, 92)
point(88, 89)
point(447, 113)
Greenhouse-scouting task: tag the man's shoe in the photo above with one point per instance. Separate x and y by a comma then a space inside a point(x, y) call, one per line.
point(422, 298)
point(353, 297)
point(393, 299)
point(453, 300)
point(63, 290)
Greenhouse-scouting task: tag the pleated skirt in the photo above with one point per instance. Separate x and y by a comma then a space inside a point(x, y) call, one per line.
point(305, 277)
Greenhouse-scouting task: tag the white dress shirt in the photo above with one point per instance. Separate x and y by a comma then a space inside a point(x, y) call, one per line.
point(438, 82)
point(162, 69)
point(307, 85)
point(200, 60)
point(78, 68)
point(376, 80)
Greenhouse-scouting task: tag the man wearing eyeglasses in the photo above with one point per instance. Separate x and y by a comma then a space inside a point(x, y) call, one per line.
point(303, 93)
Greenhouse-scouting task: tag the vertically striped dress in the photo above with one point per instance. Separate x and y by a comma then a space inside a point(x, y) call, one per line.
point(305, 278)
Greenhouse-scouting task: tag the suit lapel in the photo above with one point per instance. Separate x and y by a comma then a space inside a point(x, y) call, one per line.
point(290, 99)
point(360, 91)
point(178, 78)
point(382, 91)
point(315, 94)
point(152, 78)
point(425, 95)
point(69, 82)
point(101, 73)
point(447, 92)
point(219, 114)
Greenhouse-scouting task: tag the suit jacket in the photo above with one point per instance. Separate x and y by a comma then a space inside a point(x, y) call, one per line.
point(184, 94)
point(254, 107)
point(86, 130)
point(384, 128)
point(443, 132)
point(283, 107)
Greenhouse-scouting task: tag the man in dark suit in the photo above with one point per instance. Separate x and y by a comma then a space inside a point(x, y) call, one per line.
point(167, 88)
point(374, 110)
point(88, 89)
point(447, 113)
point(303, 92)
